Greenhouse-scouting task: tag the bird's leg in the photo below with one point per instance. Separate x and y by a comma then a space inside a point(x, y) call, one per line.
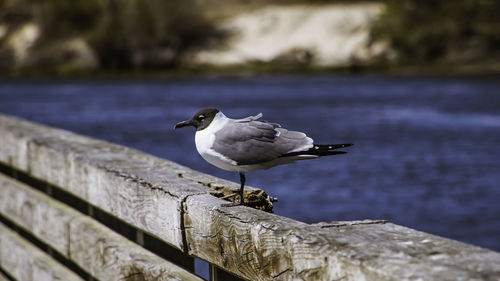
point(242, 182)
point(242, 200)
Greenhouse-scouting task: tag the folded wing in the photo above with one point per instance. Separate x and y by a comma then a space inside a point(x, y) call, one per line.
point(250, 141)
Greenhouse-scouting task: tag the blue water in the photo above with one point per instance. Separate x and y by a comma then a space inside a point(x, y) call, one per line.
point(426, 151)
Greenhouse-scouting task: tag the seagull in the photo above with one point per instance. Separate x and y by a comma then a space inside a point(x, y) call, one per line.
point(248, 144)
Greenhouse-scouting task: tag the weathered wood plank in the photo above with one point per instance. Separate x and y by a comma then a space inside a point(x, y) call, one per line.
point(46, 219)
point(26, 262)
point(262, 246)
point(109, 257)
point(94, 247)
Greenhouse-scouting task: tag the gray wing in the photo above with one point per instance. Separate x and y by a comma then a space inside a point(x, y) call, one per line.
point(249, 141)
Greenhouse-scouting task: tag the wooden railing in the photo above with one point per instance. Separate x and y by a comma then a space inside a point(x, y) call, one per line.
point(76, 208)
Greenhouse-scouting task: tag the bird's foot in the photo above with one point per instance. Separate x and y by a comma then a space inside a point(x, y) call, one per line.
point(232, 204)
point(229, 196)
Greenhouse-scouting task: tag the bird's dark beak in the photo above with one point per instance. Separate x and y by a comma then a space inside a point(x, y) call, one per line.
point(183, 124)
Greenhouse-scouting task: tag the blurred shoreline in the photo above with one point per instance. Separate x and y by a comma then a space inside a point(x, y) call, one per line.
point(259, 69)
point(102, 39)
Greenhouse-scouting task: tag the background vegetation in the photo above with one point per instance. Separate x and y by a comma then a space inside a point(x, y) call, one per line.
point(123, 33)
point(440, 30)
point(152, 34)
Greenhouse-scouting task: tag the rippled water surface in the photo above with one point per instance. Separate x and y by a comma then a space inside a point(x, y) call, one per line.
point(426, 151)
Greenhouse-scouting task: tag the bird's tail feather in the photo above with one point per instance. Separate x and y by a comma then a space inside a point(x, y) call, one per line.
point(321, 150)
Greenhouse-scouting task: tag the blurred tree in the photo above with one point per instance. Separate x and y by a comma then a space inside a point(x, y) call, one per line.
point(15, 12)
point(150, 32)
point(429, 30)
point(122, 33)
point(62, 18)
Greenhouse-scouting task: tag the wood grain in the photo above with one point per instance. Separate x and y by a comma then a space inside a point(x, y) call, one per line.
point(94, 247)
point(46, 219)
point(262, 246)
point(110, 257)
point(25, 262)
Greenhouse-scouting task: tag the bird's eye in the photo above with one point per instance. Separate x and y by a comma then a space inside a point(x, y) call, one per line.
point(201, 117)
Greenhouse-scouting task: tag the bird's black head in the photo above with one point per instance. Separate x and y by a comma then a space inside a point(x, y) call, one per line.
point(200, 120)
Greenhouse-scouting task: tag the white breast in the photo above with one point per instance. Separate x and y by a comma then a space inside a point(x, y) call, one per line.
point(204, 140)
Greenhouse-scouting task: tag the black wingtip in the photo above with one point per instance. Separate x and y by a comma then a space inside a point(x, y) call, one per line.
point(333, 152)
point(321, 150)
point(343, 145)
point(327, 147)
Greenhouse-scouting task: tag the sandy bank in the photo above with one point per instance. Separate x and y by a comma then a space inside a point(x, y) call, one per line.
point(323, 35)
